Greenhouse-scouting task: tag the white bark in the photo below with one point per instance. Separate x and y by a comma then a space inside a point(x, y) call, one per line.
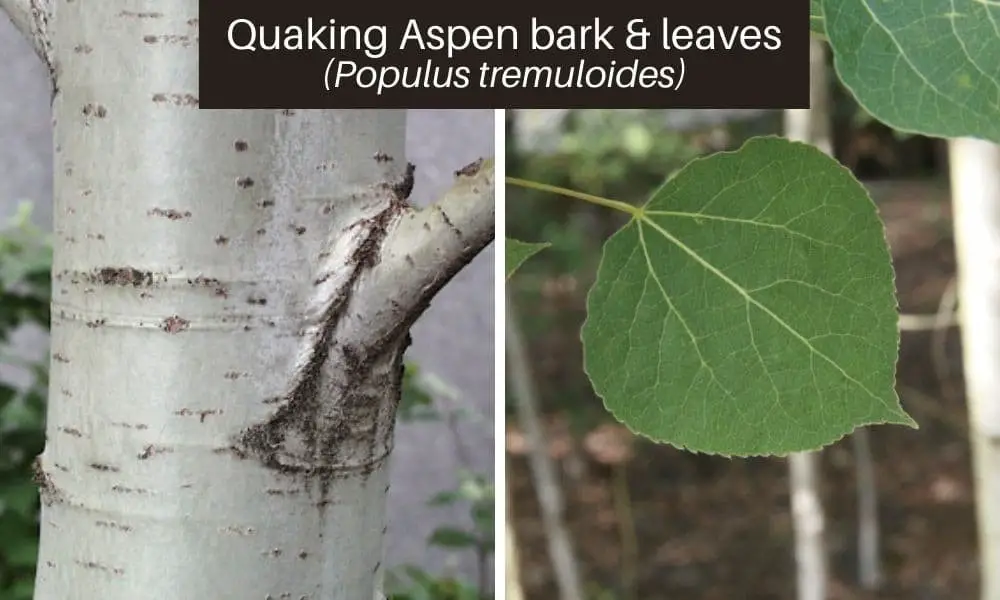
point(550, 499)
point(232, 292)
point(975, 182)
point(810, 125)
point(512, 576)
point(869, 555)
point(32, 18)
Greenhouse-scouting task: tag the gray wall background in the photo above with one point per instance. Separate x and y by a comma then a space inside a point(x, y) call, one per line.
point(453, 340)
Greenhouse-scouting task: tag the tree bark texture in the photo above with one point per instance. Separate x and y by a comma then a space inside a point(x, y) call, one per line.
point(232, 294)
point(975, 184)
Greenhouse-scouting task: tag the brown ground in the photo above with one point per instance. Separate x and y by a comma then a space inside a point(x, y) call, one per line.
point(715, 529)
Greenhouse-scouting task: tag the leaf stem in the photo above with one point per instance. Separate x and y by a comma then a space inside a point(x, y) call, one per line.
point(635, 211)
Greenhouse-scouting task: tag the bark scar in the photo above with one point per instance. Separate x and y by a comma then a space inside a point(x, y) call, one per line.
point(302, 406)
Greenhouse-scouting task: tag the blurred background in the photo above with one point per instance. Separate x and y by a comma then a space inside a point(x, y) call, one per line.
point(440, 542)
point(651, 522)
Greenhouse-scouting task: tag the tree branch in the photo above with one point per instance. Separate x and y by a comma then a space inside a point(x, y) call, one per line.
point(31, 17)
point(428, 247)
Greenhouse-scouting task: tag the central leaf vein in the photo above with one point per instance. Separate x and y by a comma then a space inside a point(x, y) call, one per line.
point(743, 293)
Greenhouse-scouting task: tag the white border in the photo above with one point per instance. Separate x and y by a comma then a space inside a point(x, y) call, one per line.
point(500, 372)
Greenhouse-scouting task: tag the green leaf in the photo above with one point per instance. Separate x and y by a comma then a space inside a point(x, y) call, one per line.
point(749, 309)
point(816, 20)
point(445, 498)
point(518, 252)
point(922, 66)
point(414, 397)
point(20, 498)
point(449, 537)
point(23, 589)
point(23, 554)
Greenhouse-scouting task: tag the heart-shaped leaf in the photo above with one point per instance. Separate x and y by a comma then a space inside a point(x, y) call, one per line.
point(517, 252)
point(923, 66)
point(749, 307)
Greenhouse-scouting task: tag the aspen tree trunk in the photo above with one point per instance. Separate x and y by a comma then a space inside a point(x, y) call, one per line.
point(550, 494)
point(975, 184)
point(232, 294)
point(812, 126)
point(513, 588)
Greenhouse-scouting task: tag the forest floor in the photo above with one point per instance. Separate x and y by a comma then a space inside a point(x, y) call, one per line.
point(716, 529)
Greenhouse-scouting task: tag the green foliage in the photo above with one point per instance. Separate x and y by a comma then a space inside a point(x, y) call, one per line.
point(923, 66)
point(420, 391)
point(781, 339)
point(616, 154)
point(517, 252)
point(411, 583)
point(25, 264)
point(816, 19)
point(416, 584)
point(748, 307)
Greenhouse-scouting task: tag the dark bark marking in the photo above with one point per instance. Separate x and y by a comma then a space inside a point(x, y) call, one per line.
point(104, 467)
point(173, 215)
point(447, 221)
point(139, 15)
point(180, 40)
point(113, 525)
point(152, 450)
point(94, 110)
point(210, 282)
point(302, 405)
point(176, 99)
point(187, 412)
point(123, 276)
point(47, 490)
point(404, 186)
point(470, 169)
point(137, 426)
point(89, 564)
point(175, 324)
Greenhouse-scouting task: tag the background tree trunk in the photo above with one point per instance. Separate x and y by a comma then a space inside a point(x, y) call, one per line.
point(232, 292)
point(811, 126)
point(543, 472)
point(975, 184)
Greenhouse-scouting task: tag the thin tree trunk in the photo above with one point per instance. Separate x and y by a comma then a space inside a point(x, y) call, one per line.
point(232, 292)
point(811, 126)
point(869, 556)
point(550, 498)
point(975, 183)
point(512, 575)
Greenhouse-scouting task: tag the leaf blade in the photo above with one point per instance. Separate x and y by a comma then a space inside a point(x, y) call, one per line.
point(516, 252)
point(816, 19)
point(715, 347)
point(924, 66)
